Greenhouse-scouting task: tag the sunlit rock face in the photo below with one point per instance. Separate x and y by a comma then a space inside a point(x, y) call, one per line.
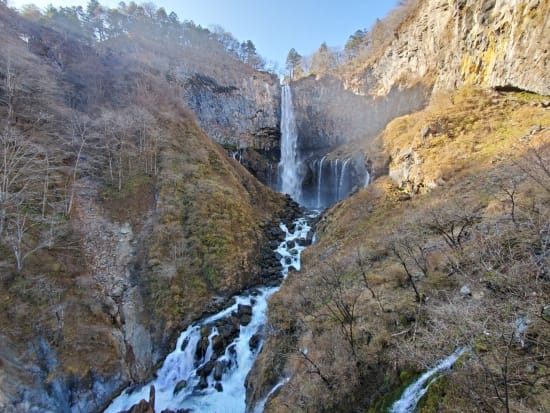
point(490, 43)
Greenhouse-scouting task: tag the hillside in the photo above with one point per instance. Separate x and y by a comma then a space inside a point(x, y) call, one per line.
point(453, 254)
point(121, 221)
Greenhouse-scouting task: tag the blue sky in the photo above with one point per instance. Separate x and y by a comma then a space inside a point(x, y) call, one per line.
point(273, 26)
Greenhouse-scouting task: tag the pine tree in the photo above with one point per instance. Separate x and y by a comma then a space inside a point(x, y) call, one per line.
point(294, 64)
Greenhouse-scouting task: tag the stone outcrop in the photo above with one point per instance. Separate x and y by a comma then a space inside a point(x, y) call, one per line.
point(494, 43)
point(238, 112)
point(241, 111)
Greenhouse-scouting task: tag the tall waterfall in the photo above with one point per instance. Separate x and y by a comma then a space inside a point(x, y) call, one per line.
point(289, 167)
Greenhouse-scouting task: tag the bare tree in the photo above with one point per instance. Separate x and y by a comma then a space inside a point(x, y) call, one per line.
point(21, 243)
point(341, 302)
point(408, 245)
point(452, 224)
point(80, 130)
point(535, 164)
point(363, 264)
point(19, 162)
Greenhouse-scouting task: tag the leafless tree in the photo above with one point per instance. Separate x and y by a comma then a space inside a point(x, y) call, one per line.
point(363, 264)
point(19, 164)
point(452, 224)
point(411, 254)
point(20, 241)
point(535, 164)
point(80, 131)
point(341, 302)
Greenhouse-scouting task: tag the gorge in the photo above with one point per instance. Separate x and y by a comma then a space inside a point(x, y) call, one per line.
point(157, 185)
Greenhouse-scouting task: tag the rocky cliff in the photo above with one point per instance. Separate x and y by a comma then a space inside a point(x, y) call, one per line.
point(329, 115)
point(242, 114)
point(450, 43)
point(436, 47)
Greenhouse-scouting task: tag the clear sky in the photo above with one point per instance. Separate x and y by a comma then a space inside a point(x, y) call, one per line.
point(273, 26)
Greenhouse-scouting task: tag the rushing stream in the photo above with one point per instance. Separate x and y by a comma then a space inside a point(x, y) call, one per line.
point(206, 372)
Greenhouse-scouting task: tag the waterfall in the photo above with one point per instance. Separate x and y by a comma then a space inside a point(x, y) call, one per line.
point(413, 393)
point(289, 167)
point(261, 405)
point(341, 182)
point(319, 182)
point(332, 181)
point(206, 372)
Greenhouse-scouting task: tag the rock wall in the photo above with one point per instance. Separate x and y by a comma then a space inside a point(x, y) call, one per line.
point(494, 43)
point(241, 111)
point(328, 115)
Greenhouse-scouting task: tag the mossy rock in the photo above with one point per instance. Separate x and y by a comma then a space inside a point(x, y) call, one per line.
point(435, 397)
point(387, 399)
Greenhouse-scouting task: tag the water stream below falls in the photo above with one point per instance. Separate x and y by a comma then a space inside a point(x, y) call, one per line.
point(206, 372)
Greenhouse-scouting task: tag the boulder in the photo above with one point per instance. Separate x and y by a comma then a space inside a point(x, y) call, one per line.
point(182, 384)
point(244, 309)
point(254, 341)
point(219, 368)
point(206, 369)
point(465, 291)
point(245, 319)
point(218, 345)
point(203, 383)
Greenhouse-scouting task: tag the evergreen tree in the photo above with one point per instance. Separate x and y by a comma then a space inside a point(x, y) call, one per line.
point(294, 64)
point(355, 42)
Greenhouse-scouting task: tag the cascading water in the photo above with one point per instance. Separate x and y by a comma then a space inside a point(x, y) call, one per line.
point(333, 180)
point(341, 181)
point(412, 394)
point(289, 167)
point(206, 372)
point(319, 182)
point(367, 178)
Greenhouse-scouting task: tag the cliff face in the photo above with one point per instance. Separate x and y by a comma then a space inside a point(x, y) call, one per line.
point(491, 43)
point(237, 107)
point(329, 115)
point(240, 112)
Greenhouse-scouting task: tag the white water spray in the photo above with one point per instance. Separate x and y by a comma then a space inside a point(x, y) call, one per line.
point(289, 167)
